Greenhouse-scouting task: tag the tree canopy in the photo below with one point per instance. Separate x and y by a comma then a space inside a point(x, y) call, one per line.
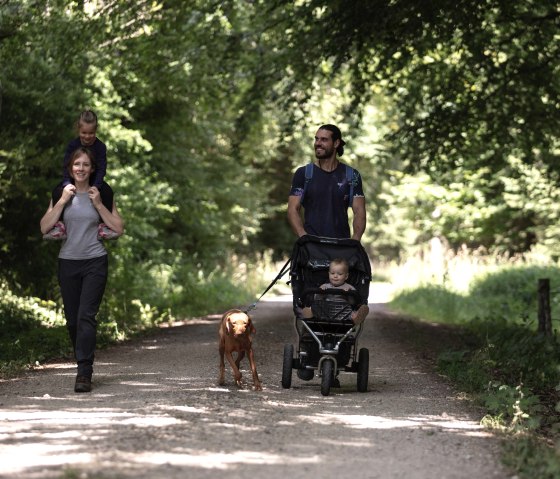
point(206, 108)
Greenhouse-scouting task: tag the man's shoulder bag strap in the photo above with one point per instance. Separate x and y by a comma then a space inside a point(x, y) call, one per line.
point(349, 180)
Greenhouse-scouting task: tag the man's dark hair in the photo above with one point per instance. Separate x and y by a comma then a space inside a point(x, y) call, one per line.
point(336, 135)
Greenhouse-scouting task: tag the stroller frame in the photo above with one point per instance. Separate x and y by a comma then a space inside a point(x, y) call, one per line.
point(327, 342)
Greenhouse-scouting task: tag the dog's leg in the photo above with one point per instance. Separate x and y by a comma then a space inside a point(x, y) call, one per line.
point(236, 372)
point(256, 382)
point(240, 356)
point(221, 375)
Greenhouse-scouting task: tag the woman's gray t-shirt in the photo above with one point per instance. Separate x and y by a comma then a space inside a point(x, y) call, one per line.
point(81, 220)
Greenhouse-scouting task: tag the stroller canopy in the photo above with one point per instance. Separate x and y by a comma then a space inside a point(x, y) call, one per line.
point(312, 255)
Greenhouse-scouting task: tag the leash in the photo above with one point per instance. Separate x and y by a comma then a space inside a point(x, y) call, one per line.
point(282, 272)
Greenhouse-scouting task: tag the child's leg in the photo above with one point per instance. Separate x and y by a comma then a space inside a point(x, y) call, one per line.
point(57, 193)
point(106, 193)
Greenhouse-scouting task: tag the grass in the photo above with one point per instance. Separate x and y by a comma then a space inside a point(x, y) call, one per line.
point(504, 364)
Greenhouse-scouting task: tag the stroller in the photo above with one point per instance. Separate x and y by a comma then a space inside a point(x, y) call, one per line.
point(327, 341)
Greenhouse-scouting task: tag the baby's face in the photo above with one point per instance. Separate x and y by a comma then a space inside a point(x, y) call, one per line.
point(338, 274)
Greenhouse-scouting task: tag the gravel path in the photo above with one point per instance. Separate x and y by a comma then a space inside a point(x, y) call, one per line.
point(156, 412)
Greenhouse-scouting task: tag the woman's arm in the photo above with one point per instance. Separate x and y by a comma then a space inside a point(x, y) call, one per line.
point(111, 218)
point(54, 211)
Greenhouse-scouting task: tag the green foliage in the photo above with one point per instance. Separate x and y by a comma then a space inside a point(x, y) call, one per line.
point(517, 405)
point(510, 294)
point(514, 373)
point(533, 457)
point(420, 302)
point(31, 330)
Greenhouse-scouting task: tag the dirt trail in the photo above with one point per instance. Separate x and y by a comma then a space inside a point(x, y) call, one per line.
point(156, 412)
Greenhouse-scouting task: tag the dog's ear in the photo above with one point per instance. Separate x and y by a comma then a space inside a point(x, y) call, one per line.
point(228, 325)
point(251, 327)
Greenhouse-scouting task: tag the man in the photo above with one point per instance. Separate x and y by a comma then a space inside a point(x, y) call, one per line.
point(326, 198)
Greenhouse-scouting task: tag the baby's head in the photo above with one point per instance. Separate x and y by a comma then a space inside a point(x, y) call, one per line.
point(338, 271)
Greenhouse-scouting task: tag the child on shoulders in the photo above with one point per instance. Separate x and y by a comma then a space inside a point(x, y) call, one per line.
point(86, 126)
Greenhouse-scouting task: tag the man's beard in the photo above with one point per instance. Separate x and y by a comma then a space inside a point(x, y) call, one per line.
point(327, 153)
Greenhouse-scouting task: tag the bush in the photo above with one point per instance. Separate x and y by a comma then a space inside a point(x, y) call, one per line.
point(32, 331)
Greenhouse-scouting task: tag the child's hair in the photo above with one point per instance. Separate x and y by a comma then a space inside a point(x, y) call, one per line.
point(87, 116)
point(79, 152)
point(341, 262)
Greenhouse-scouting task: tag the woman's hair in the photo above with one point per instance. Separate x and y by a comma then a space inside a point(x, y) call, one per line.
point(336, 135)
point(341, 262)
point(81, 150)
point(87, 116)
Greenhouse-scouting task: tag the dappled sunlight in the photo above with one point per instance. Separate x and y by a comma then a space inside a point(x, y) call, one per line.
point(379, 422)
point(35, 439)
point(47, 439)
point(234, 426)
point(209, 319)
point(13, 421)
point(209, 460)
point(189, 409)
point(16, 459)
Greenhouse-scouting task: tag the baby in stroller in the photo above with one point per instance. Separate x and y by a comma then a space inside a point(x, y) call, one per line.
point(338, 275)
point(330, 279)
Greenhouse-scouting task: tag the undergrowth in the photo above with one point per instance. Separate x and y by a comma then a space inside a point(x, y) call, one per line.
point(506, 366)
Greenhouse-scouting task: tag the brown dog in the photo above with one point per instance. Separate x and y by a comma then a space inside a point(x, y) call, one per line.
point(235, 332)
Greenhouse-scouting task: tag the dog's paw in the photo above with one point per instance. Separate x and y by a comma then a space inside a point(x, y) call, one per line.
point(258, 387)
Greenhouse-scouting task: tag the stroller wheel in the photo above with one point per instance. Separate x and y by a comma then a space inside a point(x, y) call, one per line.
point(287, 366)
point(363, 370)
point(326, 376)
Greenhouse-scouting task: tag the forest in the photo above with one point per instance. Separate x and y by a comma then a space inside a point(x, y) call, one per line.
point(450, 111)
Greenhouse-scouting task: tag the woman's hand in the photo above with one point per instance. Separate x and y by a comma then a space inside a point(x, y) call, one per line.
point(68, 193)
point(95, 197)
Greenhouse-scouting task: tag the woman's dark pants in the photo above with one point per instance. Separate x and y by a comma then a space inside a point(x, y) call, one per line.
point(82, 284)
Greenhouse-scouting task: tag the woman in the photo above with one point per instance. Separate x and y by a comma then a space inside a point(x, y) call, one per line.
point(82, 261)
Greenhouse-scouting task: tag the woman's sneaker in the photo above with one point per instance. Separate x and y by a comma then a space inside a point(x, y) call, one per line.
point(58, 232)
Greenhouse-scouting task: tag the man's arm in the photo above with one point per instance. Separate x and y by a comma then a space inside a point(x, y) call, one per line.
point(294, 215)
point(359, 222)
